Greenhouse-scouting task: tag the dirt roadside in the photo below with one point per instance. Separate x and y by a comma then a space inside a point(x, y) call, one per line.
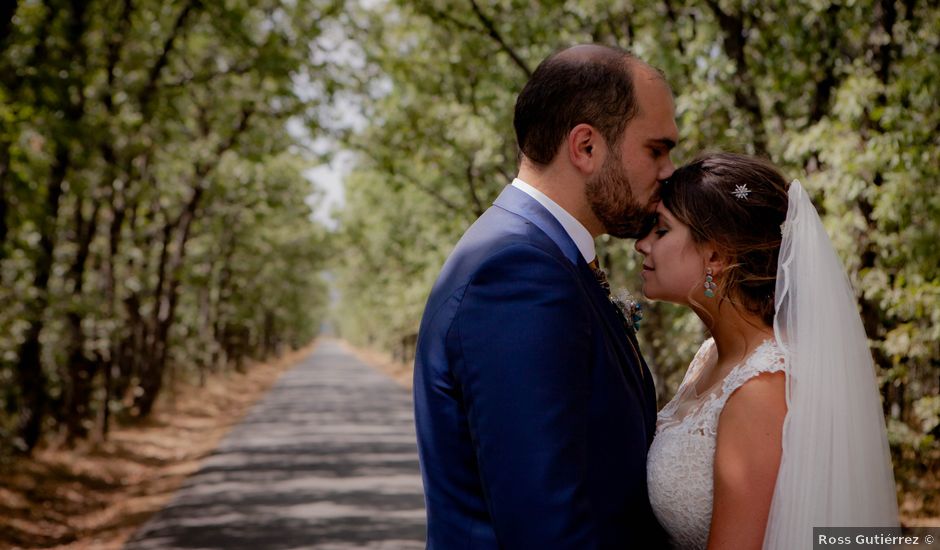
point(96, 496)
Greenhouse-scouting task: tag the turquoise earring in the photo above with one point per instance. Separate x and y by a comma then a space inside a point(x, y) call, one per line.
point(710, 285)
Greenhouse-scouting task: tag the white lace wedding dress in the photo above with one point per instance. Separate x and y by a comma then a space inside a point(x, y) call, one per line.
point(681, 459)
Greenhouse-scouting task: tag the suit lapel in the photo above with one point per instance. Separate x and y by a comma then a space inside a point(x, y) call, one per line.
point(614, 326)
point(520, 203)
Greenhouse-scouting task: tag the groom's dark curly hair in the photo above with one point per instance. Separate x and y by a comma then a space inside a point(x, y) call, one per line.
point(588, 84)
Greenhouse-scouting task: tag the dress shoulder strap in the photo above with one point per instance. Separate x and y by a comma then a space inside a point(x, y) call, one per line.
point(700, 359)
point(768, 357)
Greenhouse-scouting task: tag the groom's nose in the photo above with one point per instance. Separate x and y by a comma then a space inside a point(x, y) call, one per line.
point(667, 169)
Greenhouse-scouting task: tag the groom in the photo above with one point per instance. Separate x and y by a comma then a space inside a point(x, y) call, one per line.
point(533, 406)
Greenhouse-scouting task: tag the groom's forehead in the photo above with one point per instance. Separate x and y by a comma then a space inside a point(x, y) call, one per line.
point(656, 112)
point(654, 97)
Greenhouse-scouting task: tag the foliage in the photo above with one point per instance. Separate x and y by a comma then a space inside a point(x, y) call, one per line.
point(842, 95)
point(153, 211)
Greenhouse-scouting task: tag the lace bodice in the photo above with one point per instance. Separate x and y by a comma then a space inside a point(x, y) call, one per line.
point(681, 459)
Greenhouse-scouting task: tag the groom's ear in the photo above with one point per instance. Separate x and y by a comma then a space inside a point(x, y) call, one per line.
point(585, 148)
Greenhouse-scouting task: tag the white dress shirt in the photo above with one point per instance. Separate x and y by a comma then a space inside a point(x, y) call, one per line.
point(579, 234)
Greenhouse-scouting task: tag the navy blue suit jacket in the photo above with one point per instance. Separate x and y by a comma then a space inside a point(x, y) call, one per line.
point(534, 413)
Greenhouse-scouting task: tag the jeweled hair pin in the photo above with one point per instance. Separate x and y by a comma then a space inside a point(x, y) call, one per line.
point(741, 191)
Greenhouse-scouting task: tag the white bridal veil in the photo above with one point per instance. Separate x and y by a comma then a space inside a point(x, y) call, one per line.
point(836, 467)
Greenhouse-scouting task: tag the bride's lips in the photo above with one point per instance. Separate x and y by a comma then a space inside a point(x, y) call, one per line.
point(646, 269)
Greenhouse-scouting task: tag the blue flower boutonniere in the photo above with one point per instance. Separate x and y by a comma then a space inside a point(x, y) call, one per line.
point(630, 309)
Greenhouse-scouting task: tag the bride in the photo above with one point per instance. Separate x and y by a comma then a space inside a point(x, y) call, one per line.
point(777, 426)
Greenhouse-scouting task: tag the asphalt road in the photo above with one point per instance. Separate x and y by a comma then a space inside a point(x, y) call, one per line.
point(327, 460)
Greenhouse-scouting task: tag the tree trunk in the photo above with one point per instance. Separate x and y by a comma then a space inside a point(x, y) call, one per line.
point(104, 412)
point(81, 369)
point(4, 202)
point(169, 276)
point(166, 299)
point(117, 207)
point(744, 91)
point(7, 11)
point(875, 325)
point(30, 376)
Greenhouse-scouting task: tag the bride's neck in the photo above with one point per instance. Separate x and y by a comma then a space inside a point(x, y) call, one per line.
point(737, 335)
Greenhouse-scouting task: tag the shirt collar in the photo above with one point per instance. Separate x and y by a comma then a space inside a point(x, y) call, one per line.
point(579, 234)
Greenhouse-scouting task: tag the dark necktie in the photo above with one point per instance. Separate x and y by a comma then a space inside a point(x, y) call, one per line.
point(601, 277)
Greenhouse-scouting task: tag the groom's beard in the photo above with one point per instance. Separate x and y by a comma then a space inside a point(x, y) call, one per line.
point(610, 196)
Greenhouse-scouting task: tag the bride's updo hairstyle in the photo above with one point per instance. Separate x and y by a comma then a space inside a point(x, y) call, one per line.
point(736, 203)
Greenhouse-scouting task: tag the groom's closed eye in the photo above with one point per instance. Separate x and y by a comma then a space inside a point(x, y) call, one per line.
point(661, 146)
point(659, 151)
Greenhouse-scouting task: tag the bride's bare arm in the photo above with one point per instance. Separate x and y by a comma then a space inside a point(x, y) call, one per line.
point(747, 457)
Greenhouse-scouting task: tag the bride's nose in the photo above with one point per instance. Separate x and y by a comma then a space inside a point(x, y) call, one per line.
point(642, 246)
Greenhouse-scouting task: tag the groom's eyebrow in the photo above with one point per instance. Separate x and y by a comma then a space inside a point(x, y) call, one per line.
point(664, 142)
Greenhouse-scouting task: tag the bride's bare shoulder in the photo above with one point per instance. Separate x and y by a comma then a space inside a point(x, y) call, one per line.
point(762, 398)
point(747, 457)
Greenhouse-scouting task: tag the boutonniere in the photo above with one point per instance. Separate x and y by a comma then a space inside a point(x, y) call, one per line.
point(630, 310)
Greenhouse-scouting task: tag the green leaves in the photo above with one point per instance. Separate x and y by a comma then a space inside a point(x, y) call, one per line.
point(182, 233)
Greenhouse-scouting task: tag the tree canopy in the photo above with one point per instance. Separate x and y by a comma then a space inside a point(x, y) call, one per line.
point(153, 205)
